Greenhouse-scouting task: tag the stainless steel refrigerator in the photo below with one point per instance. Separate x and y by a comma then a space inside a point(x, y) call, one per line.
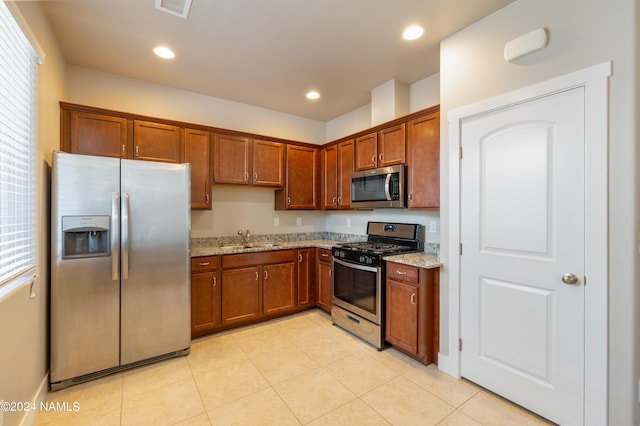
point(120, 265)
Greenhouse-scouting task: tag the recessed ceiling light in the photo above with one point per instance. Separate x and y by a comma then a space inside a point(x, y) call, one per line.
point(312, 94)
point(164, 52)
point(413, 32)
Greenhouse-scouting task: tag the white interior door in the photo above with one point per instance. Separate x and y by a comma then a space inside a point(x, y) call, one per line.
point(522, 229)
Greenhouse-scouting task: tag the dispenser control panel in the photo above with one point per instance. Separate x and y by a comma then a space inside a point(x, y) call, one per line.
point(85, 236)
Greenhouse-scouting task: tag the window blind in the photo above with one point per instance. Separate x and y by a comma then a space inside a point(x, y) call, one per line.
point(17, 149)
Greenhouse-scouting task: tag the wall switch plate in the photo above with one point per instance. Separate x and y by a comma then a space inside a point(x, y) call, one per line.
point(348, 222)
point(276, 221)
point(298, 221)
point(432, 227)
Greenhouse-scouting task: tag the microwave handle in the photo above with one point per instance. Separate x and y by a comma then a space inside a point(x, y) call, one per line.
point(386, 186)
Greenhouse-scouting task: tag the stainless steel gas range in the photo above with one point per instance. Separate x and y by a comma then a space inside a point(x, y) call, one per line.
point(358, 277)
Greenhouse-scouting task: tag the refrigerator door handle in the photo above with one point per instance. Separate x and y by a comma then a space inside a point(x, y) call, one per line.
point(115, 235)
point(125, 236)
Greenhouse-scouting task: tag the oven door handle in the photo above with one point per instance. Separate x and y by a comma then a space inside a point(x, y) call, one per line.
point(355, 266)
point(386, 186)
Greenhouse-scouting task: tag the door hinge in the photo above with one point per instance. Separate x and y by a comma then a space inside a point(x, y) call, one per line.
point(460, 345)
point(460, 249)
point(461, 153)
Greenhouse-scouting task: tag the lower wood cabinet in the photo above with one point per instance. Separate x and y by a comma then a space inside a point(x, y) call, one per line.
point(256, 285)
point(325, 283)
point(205, 294)
point(412, 301)
point(307, 293)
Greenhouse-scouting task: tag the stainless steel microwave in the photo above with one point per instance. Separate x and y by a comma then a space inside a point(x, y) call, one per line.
point(379, 188)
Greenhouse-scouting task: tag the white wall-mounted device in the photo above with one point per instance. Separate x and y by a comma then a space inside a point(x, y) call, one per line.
point(525, 44)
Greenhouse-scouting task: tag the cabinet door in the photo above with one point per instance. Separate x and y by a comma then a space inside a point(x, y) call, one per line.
point(279, 288)
point(268, 163)
point(156, 142)
point(205, 302)
point(345, 168)
point(329, 177)
point(367, 152)
point(423, 171)
point(301, 189)
point(231, 159)
point(96, 134)
point(306, 278)
point(401, 326)
point(241, 295)
point(197, 150)
point(325, 285)
point(391, 146)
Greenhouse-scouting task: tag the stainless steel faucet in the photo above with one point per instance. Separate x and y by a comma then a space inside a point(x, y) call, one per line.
point(246, 236)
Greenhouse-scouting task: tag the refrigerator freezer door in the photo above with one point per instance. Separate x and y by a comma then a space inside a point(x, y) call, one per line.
point(156, 221)
point(85, 299)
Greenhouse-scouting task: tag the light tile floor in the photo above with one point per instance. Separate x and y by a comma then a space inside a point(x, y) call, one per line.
point(296, 370)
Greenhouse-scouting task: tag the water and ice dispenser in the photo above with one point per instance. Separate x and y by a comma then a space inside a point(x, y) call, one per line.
point(85, 236)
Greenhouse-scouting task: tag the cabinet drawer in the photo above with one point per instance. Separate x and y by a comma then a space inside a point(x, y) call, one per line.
point(324, 255)
point(204, 263)
point(400, 272)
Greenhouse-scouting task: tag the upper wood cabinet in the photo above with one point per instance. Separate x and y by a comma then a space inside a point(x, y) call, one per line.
point(300, 191)
point(156, 142)
point(423, 171)
point(268, 163)
point(94, 134)
point(240, 160)
point(231, 159)
point(337, 166)
point(197, 152)
point(380, 149)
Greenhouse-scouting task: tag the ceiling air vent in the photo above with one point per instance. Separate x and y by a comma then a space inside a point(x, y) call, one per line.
point(175, 7)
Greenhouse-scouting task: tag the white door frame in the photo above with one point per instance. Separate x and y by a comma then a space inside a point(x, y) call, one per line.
point(595, 80)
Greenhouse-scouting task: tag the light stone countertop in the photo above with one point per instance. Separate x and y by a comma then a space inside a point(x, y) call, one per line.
point(421, 260)
point(262, 246)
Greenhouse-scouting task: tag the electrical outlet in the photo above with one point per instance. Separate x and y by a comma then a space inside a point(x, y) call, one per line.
point(432, 227)
point(276, 221)
point(298, 221)
point(348, 222)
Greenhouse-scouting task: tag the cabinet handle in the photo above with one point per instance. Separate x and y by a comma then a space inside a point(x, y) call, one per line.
point(246, 176)
point(334, 201)
point(206, 198)
point(324, 255)
point(288, 201)
point(300, 257)
point(266, 274)
point(123, 150)
point(213, 279)
point(401, 273)
point(339, 200)
point(255, 177)
point(411, 196)
point(381, 156)
point(136, 150)
point(413, 298)
point(330, 272)
point(256, 276)
point(373, 159)
point(204, 263)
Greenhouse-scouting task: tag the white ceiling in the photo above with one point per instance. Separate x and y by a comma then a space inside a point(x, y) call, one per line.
point(266, 53)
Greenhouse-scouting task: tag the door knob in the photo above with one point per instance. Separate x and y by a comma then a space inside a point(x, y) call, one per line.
point(570, 279)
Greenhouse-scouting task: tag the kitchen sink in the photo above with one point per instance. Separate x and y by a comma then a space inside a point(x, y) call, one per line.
point(250, 245)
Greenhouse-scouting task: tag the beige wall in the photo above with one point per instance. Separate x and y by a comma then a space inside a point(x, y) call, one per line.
point(582, 33)
point(24, 358)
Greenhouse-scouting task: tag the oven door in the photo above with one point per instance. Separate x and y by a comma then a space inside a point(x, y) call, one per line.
point(358, 289)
